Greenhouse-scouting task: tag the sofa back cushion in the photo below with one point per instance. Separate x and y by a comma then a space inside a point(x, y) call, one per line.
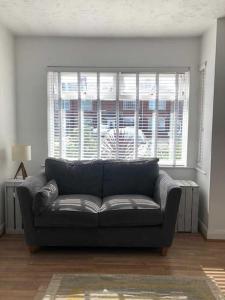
point(76, 177)
point(130, 177)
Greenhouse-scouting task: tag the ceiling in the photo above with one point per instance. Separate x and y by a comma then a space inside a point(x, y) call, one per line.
point(110, 18)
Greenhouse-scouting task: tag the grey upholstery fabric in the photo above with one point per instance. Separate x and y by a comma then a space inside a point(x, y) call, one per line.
point(26, 192)
point(70, 211)
point(129, 210)
point(45, 197)
point(130, 177)
point(166, 194)
point(76, 177)
point(148, 236)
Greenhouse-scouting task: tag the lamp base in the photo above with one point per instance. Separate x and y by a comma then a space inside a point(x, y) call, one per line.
point(23, 171)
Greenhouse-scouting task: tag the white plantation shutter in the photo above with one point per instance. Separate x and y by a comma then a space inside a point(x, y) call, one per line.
point(120, 115)
point(69, 115)
point(202, 116)
point(167, 93)
point(108, 115)
point(127, 120)
point(88, 116)
point(147, 115)
point(53, 115)
point(63, 115)
point(181, 123)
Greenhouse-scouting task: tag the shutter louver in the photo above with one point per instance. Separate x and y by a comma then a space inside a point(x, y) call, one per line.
point(120, 115)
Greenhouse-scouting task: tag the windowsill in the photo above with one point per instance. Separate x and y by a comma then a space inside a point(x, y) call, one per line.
point(176, 167)
point(163, 167)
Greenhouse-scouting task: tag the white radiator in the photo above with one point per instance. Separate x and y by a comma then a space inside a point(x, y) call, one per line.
point(13, 218)
point(187, 219)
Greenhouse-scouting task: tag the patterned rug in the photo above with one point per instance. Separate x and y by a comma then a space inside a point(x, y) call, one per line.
point(128, 287)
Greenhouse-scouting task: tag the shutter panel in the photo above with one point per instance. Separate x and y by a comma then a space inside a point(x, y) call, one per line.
point(108, 129)
point(69, 116)
point(182, 119)
point(53, 115)
point(202, 116)
point(127, 117)
point(118, 115)
point(166, 118)
point(89, 115)
point(147, 115)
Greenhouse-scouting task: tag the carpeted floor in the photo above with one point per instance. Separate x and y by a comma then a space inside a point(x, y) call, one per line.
point(128, 287)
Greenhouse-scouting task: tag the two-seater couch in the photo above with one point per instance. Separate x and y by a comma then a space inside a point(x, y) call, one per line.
point(100, 203)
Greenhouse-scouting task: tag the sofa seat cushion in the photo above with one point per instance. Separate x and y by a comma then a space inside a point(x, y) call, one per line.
point(129, 210)
point(71, 211)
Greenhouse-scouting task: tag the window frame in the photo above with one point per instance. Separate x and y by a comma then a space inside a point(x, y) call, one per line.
point(161, 70)
point(200, 154)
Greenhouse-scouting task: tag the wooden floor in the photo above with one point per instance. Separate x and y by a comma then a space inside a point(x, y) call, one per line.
point(22, 274)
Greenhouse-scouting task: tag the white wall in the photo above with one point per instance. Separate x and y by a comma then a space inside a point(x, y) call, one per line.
point(208, 53)
point(34, 54)
point(216, 227)
point(7, 109)
point(212, 200)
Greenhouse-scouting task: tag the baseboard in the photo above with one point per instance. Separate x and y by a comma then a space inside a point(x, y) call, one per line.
point(2, 209)
point(218, 234)
point(2, 229)
point(203, 228)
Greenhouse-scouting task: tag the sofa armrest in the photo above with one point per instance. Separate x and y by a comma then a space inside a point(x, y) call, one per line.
point(26, 192)
point(167, 194)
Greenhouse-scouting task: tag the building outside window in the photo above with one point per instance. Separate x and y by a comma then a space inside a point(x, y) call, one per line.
point(161, 105)
point(86, 105)
point(162, 123)
point(129, 105)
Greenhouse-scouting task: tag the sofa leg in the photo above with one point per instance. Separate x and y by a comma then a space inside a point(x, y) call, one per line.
point(164, 251)
point(33, 249)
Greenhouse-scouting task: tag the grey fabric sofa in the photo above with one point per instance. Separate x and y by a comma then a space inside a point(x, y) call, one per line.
point(100, 203)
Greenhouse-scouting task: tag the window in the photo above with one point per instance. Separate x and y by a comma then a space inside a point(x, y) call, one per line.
point(121, 115)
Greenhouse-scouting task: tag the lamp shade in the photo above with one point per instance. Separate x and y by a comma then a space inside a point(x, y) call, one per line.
point(21, 152)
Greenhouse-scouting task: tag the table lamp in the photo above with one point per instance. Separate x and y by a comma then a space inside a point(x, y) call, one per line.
point(21, 153)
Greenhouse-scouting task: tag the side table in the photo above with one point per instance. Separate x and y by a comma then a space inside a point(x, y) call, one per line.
point(13, 218)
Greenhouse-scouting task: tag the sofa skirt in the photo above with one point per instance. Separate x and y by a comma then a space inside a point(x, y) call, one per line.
point(153, 236)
